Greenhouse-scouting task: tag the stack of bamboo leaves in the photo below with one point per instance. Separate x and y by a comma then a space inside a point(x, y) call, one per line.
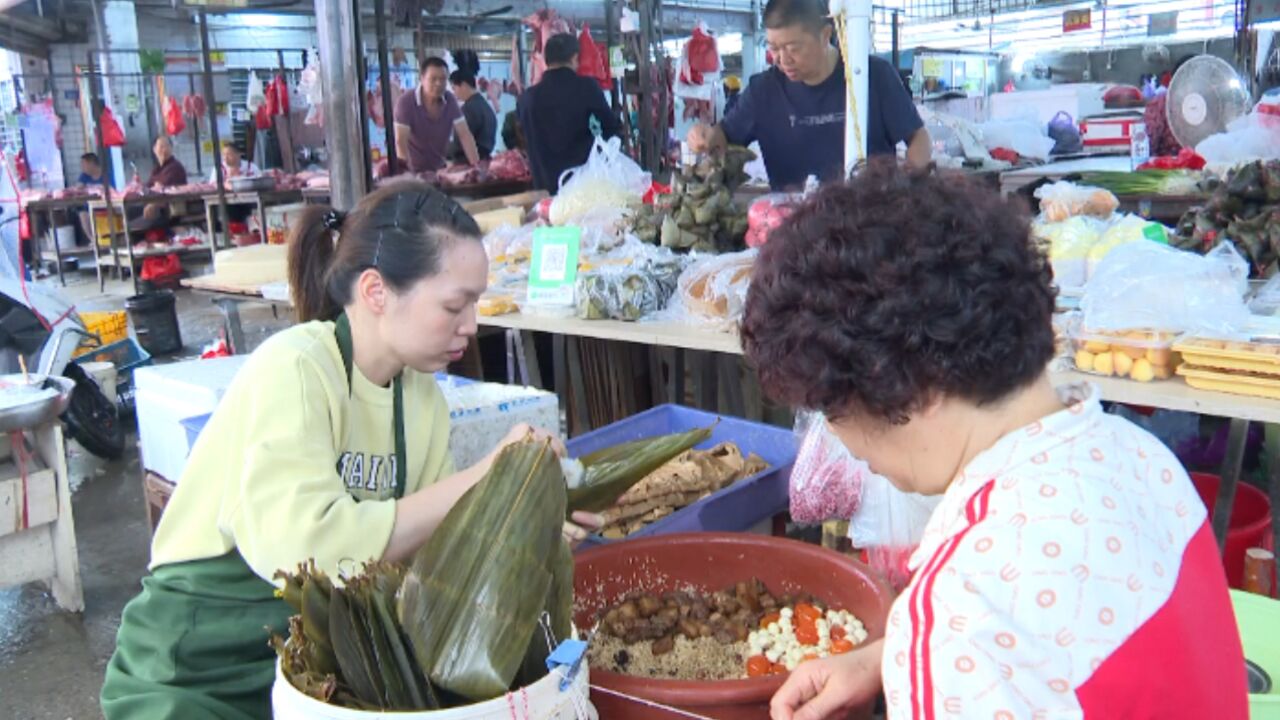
point(462, 624)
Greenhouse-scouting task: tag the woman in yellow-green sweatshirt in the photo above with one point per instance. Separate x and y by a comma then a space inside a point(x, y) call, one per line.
point(331, 443)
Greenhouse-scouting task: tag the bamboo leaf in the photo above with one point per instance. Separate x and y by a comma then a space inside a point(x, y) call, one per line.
point(482, 579)
point(355, 657)
point(611, 472)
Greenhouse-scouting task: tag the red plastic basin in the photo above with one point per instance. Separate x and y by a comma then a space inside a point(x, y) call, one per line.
point(714, 561)
point(1250, 524)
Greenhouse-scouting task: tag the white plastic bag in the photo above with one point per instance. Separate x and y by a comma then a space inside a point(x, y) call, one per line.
point(889, 525)
point(1255, 136)
point(257, 95)
point(1147, 285)
point(1024, 137)
point(1070, 242)
point(608, 179)
point(1063, 199)
point(1122, 230)
point(712, 291)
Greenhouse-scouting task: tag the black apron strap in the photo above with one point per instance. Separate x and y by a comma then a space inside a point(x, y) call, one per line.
point(342, 330)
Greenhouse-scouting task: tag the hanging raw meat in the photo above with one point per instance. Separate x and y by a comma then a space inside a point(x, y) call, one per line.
point(545, 23)
point(193, 105)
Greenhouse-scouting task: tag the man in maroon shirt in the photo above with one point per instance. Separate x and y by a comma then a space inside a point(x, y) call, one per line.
point(168, 172)
point(427, 117)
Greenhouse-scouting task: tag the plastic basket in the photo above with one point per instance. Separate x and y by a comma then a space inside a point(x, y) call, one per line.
point(736, 508)
point(110, 327)
point(127, 355)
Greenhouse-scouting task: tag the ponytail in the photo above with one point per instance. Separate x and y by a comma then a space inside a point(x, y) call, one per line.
point(398, 230)
point(311, 252)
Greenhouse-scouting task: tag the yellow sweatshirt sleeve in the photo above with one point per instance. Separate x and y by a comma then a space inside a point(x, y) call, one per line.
point(292, 504)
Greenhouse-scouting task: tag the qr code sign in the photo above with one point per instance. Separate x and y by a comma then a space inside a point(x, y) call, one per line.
point(554, 261)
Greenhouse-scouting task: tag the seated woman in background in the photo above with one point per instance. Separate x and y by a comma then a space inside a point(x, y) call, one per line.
point(1070, 569)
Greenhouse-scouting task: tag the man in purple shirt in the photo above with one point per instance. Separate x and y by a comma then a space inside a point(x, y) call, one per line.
point(427, 117)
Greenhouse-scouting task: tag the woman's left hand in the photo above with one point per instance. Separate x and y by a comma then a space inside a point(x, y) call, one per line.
point(582, 524)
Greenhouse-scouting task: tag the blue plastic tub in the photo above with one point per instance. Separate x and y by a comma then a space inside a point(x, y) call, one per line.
point(127, 355)
point(736, 508)
point(193, 426)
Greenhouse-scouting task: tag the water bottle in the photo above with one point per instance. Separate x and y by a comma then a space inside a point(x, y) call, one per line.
point(1139, 145)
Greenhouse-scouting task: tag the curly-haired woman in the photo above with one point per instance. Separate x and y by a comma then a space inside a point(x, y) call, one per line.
point(1070, 570)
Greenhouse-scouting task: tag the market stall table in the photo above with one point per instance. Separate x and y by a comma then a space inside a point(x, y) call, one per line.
point(123, 204)
point(50, 206)
point(261, 198)
point(1013, 180)
point(721, 356)
point(1170, 395)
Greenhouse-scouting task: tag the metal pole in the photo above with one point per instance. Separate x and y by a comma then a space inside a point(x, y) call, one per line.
point(213, 136)
point(648, 131)
point(521, 43)
point(896, 58)
point(388, 119)
point(856, 52)
point(611, 39)
point(362, 98)
point(96, 106)
point(284, 128)
point(195, 127)
point(334, 23)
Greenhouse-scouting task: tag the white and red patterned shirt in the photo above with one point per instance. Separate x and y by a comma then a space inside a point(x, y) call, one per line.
point(1070, 571)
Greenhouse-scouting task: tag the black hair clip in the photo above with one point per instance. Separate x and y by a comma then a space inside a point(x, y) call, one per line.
point(333, 220)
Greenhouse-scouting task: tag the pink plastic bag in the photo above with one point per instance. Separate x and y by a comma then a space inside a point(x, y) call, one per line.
point(826, 482)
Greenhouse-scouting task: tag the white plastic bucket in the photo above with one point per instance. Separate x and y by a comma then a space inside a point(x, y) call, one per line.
point(104, 374)
point(542, 700)
point(64, 237)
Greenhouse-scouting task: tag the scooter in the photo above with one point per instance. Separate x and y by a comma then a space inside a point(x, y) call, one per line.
point(44, 329)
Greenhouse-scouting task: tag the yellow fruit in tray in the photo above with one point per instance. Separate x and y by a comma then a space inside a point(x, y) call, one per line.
point(1084, 360)
point(1142, 371)
point(1162, 372)
point(1123, 364)
point(1096, 346)
point(1132, 351)
point(1104, 364)
point(1160, 356)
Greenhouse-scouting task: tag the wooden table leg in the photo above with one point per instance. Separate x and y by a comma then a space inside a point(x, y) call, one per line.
point(527, 352)
point(676, 381)
point(560, 375)
point(732, 381)
point(581, 411)
point(1231, 466)
point(57, 249)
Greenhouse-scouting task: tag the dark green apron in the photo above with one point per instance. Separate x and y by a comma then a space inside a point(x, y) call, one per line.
point(193, 644)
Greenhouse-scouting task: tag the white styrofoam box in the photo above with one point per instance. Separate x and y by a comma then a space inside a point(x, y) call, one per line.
point(481, 414)
point(1078, 100)
point(168, 394)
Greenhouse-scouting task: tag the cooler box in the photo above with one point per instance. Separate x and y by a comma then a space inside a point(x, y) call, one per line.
point(472, 408)
point(481, 414)
point(736, 508)
point(1076, 99)
point(1110, 131)
point(168, 394)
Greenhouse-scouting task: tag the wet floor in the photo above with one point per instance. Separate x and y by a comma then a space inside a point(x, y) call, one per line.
point(51, 662)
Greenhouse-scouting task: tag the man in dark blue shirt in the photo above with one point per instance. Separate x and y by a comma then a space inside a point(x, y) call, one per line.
point(90, 170)
point(796, 109)
point(555, 115)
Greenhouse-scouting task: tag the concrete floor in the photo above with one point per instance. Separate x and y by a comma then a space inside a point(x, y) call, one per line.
point(51, 662)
